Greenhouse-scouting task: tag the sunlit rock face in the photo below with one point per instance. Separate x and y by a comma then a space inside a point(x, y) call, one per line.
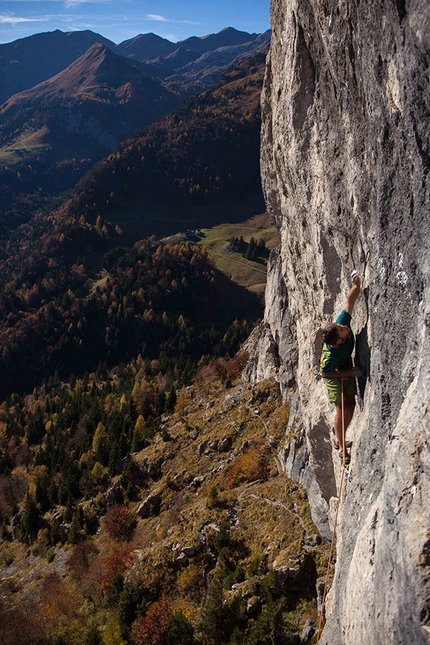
point(345, 162)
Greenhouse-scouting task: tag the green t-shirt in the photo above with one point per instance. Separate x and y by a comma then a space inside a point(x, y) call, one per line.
point(340, 357)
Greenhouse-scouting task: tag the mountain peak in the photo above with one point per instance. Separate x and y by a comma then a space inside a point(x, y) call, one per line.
point(224, 38)
point(146, 47)
point(29, 61)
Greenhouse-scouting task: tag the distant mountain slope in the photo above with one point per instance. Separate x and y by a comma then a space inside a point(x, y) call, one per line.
point(94, 103)
point(51, 134)
point(205, 152)
point(180, 57)
point(198, 75)
point(28, 61)
point(225, 38)
point(165, 66)
point(146, 47)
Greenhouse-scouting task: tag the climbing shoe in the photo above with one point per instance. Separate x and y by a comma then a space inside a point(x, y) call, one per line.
point(336, 444)
point(347, 459)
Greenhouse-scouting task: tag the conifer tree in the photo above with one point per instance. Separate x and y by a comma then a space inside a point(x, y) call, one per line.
point(75, 530)
point(179, 630)
point(93, 637)
point(31, 519)
point(127, 606)
point(213, 618)
point(171, 400)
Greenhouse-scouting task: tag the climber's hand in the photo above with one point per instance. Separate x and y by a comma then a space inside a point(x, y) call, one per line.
point(355, 278)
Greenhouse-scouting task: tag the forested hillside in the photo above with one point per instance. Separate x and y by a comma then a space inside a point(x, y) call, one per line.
point(166, 302)
point(56, 315)
point(206, 151)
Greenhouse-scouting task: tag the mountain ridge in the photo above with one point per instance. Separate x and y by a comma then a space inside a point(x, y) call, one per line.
point(203, 72)
point(81, 113)
point(32, 60)
point(28, 61)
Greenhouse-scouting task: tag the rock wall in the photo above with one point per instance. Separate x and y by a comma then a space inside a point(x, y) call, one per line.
point(345, 163)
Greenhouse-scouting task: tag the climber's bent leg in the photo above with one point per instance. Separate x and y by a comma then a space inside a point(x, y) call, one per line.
point(334, 394)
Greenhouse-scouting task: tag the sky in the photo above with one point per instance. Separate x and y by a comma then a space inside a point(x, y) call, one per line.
point(120, 20)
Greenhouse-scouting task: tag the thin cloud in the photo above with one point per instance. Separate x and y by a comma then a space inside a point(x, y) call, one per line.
point(6, 19)
point(154, 16)
point(75, 3)
point(157, 18)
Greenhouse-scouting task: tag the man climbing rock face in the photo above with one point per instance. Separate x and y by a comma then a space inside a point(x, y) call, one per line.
point(336, 365)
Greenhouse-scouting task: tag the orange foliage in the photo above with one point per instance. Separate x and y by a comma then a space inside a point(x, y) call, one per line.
point(151, 629)
point(80, 559)
point(56, 597)
point(113, 564)
point(250, 466)
point(210, 372)
point(235, 366)
point(119, 522)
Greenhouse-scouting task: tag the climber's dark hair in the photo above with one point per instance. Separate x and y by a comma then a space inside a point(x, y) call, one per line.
point(330, 334)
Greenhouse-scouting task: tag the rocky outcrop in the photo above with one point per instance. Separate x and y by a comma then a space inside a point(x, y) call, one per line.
point(345, 162)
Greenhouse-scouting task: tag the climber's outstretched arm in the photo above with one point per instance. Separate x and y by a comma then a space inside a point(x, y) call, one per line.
point(354, 292)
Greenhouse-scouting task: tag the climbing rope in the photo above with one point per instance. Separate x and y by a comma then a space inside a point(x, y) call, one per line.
point(342, 477)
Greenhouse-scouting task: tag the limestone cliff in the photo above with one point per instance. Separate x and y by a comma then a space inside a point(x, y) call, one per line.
point(345, 162)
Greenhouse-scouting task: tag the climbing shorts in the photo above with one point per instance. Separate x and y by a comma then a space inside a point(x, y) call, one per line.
point(333, 388)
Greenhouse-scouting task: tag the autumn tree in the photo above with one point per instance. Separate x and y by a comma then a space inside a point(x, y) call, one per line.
point(100, 444)
point(113, 565)
point(80, 559)
point(112, 634)
point(119, 522)
point(152, 628)
point(250, 466)
point(140, 433)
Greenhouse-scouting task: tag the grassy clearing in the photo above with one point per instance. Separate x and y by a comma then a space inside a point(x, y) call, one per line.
point(25, 147)
point(246, 273)
point(101, 283)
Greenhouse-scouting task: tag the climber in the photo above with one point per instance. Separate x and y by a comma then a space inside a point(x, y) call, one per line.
point(336, 366)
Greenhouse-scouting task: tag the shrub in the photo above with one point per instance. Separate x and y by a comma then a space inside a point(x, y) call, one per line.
point(190, 581)
point(213, 497)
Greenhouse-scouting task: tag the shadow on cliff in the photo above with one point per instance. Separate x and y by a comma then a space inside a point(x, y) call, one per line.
point(362, 354)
